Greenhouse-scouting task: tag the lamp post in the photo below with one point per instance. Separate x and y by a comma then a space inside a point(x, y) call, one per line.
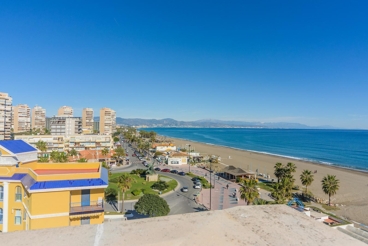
point(189, 156)
point(210, 186)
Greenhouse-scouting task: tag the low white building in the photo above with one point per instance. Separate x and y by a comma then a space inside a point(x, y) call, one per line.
point(177, 158)
point(164, 147)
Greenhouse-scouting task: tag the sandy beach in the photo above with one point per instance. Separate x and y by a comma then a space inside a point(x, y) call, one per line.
point(353, 192)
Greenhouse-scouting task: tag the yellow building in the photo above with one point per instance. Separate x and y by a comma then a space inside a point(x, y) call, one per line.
point(40, 195)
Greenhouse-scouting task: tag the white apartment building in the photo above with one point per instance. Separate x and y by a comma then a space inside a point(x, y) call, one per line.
point(6, 115)
point(107, 121)
point(21, 118)
point(65, 111)
point(65, 126)
point(38, 120)
point(63, 143)
point(87, 120)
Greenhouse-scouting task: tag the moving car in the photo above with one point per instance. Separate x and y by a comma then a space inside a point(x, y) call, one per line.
point(174, 171)
point(166, 170)
point(184, 189)
point(157, 169)
point(182, 173)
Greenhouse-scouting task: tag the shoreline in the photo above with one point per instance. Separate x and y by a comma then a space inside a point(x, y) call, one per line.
point(292, 158)
point(353, 191)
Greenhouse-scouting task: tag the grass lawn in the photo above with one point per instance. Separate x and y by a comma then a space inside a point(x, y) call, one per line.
point(139, 183)
point(329, 208)
point(265, 186)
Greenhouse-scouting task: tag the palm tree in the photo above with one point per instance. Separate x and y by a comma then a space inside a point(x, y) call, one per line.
point(249, 191)
point(306, 178)
point(54, 156)
point(290, 168)
point(124, 184)
point(279, 171)
point(41, 145)
point(330, 186)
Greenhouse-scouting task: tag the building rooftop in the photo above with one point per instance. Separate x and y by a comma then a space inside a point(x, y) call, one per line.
point(243, 225)
point(17, 146)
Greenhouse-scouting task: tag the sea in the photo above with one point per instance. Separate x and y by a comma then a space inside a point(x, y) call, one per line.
point(343, 148)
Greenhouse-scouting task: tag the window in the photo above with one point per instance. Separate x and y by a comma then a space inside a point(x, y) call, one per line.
point(1, 193)
point(18, 194)
point(18, 216)
point(1, 216)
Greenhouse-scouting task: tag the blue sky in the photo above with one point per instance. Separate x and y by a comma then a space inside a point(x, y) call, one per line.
point(290, 61)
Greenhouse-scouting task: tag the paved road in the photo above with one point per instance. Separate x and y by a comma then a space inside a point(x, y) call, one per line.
point(178, 201)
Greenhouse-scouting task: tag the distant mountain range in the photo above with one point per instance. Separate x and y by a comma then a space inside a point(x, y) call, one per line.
point(210, 123)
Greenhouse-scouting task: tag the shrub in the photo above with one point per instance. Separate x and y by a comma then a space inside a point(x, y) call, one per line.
point(238, 179)
point(136, 192)
point(137, 172)
point(160, 185)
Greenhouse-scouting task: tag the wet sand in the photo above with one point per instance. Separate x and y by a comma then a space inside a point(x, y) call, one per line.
point(353, 191)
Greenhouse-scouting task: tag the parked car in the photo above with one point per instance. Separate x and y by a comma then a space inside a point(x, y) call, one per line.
point(182, 173)
point(157, 169)
point(195, 179)
point(174, 171)
point(166, 170)
point(197, 183)
point(128, 215)
point(126, 155)
point(197, 186)
point(184, 189)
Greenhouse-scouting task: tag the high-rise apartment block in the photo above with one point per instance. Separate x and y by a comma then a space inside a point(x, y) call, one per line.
point(87, 120)
point(65, 126)
point(65, 111)
point(107, 121)
point(6, 111)
point(21, 118)
point(38, 118)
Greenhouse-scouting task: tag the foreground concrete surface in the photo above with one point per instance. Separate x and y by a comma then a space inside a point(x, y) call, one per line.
point(243, 225)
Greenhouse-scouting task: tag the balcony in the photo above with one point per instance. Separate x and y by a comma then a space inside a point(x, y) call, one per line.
point(83, 207)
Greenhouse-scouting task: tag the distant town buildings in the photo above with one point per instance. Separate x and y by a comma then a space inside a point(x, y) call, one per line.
point(87, 120)
point(21, 118)
point(107, 121)
point(65, 111)
point(38, 121)
point(66, 143)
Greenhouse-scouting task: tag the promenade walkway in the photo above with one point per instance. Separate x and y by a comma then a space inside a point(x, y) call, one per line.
point(225, 193)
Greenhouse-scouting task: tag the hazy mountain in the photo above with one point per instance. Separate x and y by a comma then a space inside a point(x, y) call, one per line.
point(210, 123)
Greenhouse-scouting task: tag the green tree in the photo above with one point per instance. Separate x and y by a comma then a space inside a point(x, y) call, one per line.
point(58, 157)
point(116, 139)
point(82, 160)
point(124, 183)
point(152, 205)
point(330, 186)
point(248, 191)
point(41, 145)
point(110, 194)
point(279, 171)
point(119, 152)
point(73, 153)
point(283, 190)
point(104, 152)
point(306, 178)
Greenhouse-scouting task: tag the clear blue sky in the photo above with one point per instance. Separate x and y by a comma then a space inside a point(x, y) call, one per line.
point(291, 61)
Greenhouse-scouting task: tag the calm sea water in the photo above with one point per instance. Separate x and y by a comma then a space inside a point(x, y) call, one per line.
point(346, 148)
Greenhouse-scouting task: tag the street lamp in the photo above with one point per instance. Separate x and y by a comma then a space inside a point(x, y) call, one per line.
point(210, 186)
point(189, 156)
